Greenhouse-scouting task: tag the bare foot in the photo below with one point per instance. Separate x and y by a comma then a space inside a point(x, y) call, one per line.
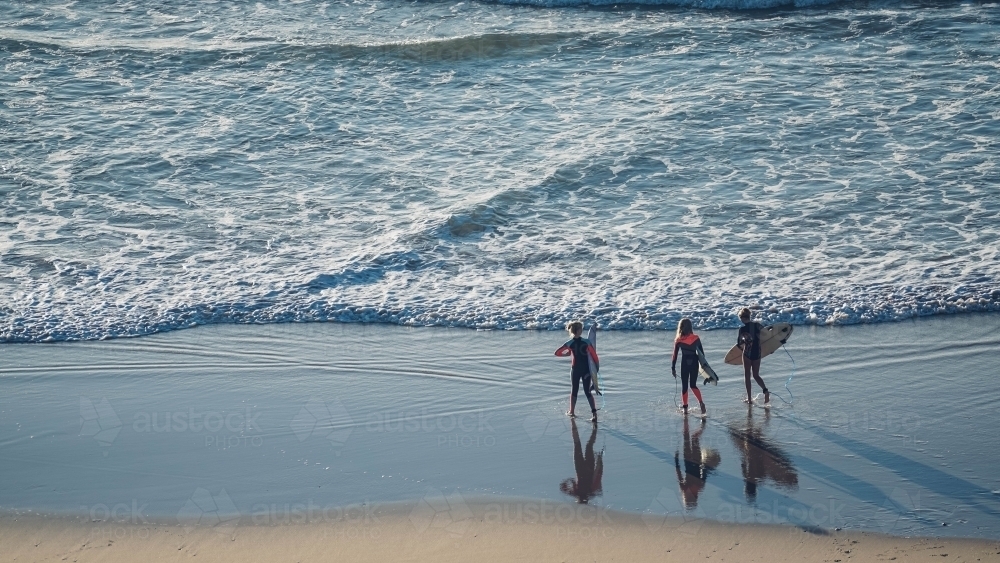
point(684, 408)
point(767, 398)
point(571, 414)
point(593, 418)
point(702, 408)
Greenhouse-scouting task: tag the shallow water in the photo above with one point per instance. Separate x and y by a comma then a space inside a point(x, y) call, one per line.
point(890, 428)
point(471, 164)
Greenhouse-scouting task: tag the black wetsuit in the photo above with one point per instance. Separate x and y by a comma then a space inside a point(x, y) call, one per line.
point(688, 346)
point(749, 338)
point(581, 369)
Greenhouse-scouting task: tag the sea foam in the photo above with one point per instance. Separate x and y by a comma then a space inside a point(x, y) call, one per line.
point(492, 166)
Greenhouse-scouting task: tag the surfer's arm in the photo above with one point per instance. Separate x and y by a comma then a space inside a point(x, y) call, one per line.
point(564, 350)
point(673, 359)
point(593, 355)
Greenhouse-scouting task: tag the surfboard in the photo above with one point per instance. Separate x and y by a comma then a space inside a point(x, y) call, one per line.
point(771, 338)
point(706, 370)
point(594, 368)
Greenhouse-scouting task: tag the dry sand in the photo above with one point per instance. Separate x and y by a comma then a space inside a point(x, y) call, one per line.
point(482, 532)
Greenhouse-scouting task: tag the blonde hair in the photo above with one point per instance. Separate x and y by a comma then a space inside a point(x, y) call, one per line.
point(744, 314)
point(684, 327)
point(575, 328)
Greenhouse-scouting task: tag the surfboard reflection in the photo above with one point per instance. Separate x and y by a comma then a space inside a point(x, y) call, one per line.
point(698, 465)
point(589, 468)
point(761, 459)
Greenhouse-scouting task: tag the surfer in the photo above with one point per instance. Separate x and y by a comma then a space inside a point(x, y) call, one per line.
point(580, 349)
point(688, 343)
point(749, 340)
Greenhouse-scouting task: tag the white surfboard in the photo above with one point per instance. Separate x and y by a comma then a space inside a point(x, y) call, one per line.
point(771, 338)
point(594, 368)
point(706, 370)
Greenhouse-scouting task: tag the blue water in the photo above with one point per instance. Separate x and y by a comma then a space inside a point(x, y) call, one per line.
point(168, 164)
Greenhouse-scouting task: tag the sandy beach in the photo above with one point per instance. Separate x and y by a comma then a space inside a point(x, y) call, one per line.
point(588, 534)
point(319, 441)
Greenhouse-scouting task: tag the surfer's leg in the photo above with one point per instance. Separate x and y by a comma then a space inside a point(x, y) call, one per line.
point(746, 376)
point(689, 376)
point(756, 376)
point(684, 387)
point(692, 376)
point(590, 397)
point(696, 391)
point(573, 394)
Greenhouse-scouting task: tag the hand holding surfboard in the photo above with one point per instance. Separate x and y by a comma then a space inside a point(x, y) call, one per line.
point(771, 338)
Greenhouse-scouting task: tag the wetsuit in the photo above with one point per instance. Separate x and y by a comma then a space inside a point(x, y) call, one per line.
point(580, 349)
point(688, 346)
point(749, 339)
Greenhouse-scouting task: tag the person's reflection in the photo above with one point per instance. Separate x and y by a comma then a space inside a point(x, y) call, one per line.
point(589, 468)
point(762, 460)
point(698, 464)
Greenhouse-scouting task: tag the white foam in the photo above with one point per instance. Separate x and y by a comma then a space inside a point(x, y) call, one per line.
point(494, 167)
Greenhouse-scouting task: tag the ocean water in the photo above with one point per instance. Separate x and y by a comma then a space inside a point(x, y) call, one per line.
point(169, 164)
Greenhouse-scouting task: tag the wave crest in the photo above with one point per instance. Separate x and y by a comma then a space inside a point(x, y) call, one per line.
point(470, 311)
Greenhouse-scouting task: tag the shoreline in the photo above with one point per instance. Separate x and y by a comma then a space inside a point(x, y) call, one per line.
point(480, 530)
point(336, 415)
point(667, 327)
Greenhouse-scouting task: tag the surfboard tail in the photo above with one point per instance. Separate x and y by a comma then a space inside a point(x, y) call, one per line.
point(706, 370)
point(594, 368)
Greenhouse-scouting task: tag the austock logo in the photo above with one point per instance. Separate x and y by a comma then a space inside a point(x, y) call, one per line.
point(437, 511)
point(206, 510)
point(898, 505)
point(318, 419)
point(664, 514)
point(99, 421)
point(544, 423)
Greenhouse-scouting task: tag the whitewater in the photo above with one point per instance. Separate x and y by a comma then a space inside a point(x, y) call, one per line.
point(171, 164)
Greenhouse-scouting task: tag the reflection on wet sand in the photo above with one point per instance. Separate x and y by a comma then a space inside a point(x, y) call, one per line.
point(589, 468)
point(698, 464)
point(761, 459)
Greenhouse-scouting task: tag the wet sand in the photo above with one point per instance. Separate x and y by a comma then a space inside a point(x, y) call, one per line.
point(253, 426)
